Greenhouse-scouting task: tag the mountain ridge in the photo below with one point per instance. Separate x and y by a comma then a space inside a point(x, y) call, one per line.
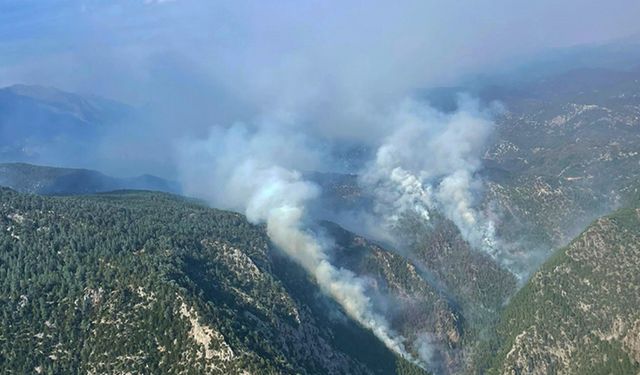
point(578, 313)
point(29, 178)
point(208, 294)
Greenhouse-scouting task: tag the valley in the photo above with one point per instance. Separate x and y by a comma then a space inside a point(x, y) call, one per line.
point(194, 187)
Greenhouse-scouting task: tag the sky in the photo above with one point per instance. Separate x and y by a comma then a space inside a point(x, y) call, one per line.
point(241, 50)
point(332, 68)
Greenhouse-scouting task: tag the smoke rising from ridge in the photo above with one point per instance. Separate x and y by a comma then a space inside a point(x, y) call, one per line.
point(298, 81)
point(427, 163)
point(270, 193)
point(430, 162)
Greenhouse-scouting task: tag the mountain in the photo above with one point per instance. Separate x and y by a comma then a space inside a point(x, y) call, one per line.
point(87, 109)
point(564, 152)
point(29, 178)
point(153, 283)
point(440, 285)
point(564, 147)
point(43, 124)
point(579, 313)
point(421, 312)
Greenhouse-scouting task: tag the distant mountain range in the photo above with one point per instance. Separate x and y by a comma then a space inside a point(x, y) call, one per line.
point(29, 178)
point(45, 125)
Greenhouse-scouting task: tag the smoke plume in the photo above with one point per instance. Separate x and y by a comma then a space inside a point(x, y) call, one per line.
point(246, 178)
point(430, 162)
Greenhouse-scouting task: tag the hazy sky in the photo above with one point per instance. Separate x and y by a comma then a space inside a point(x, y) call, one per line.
point(329, 67)
point(243, 50)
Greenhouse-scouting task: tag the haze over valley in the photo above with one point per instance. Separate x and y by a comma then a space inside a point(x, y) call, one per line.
point(319, 188)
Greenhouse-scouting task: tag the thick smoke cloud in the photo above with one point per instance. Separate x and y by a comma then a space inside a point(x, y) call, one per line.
point(430, 162)
point(246, 176)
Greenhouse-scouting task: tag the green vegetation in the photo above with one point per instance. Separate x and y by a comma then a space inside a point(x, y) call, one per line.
point(28, 178)
point(151, 283)
point(578, 314)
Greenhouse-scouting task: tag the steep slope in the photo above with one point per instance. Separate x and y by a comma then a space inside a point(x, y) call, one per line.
point(36, 179)
point(473, 282)
point(579, 314)
point(424, 315)
point(460, 289)
point(151, 283)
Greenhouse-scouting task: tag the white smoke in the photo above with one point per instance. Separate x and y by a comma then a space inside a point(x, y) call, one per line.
point(430, 162)
point(248, 177)
point(425, 344)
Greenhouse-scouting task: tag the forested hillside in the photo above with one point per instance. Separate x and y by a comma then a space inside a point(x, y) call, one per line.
point(37, 179)
point(579, 314)
point(134, 282)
